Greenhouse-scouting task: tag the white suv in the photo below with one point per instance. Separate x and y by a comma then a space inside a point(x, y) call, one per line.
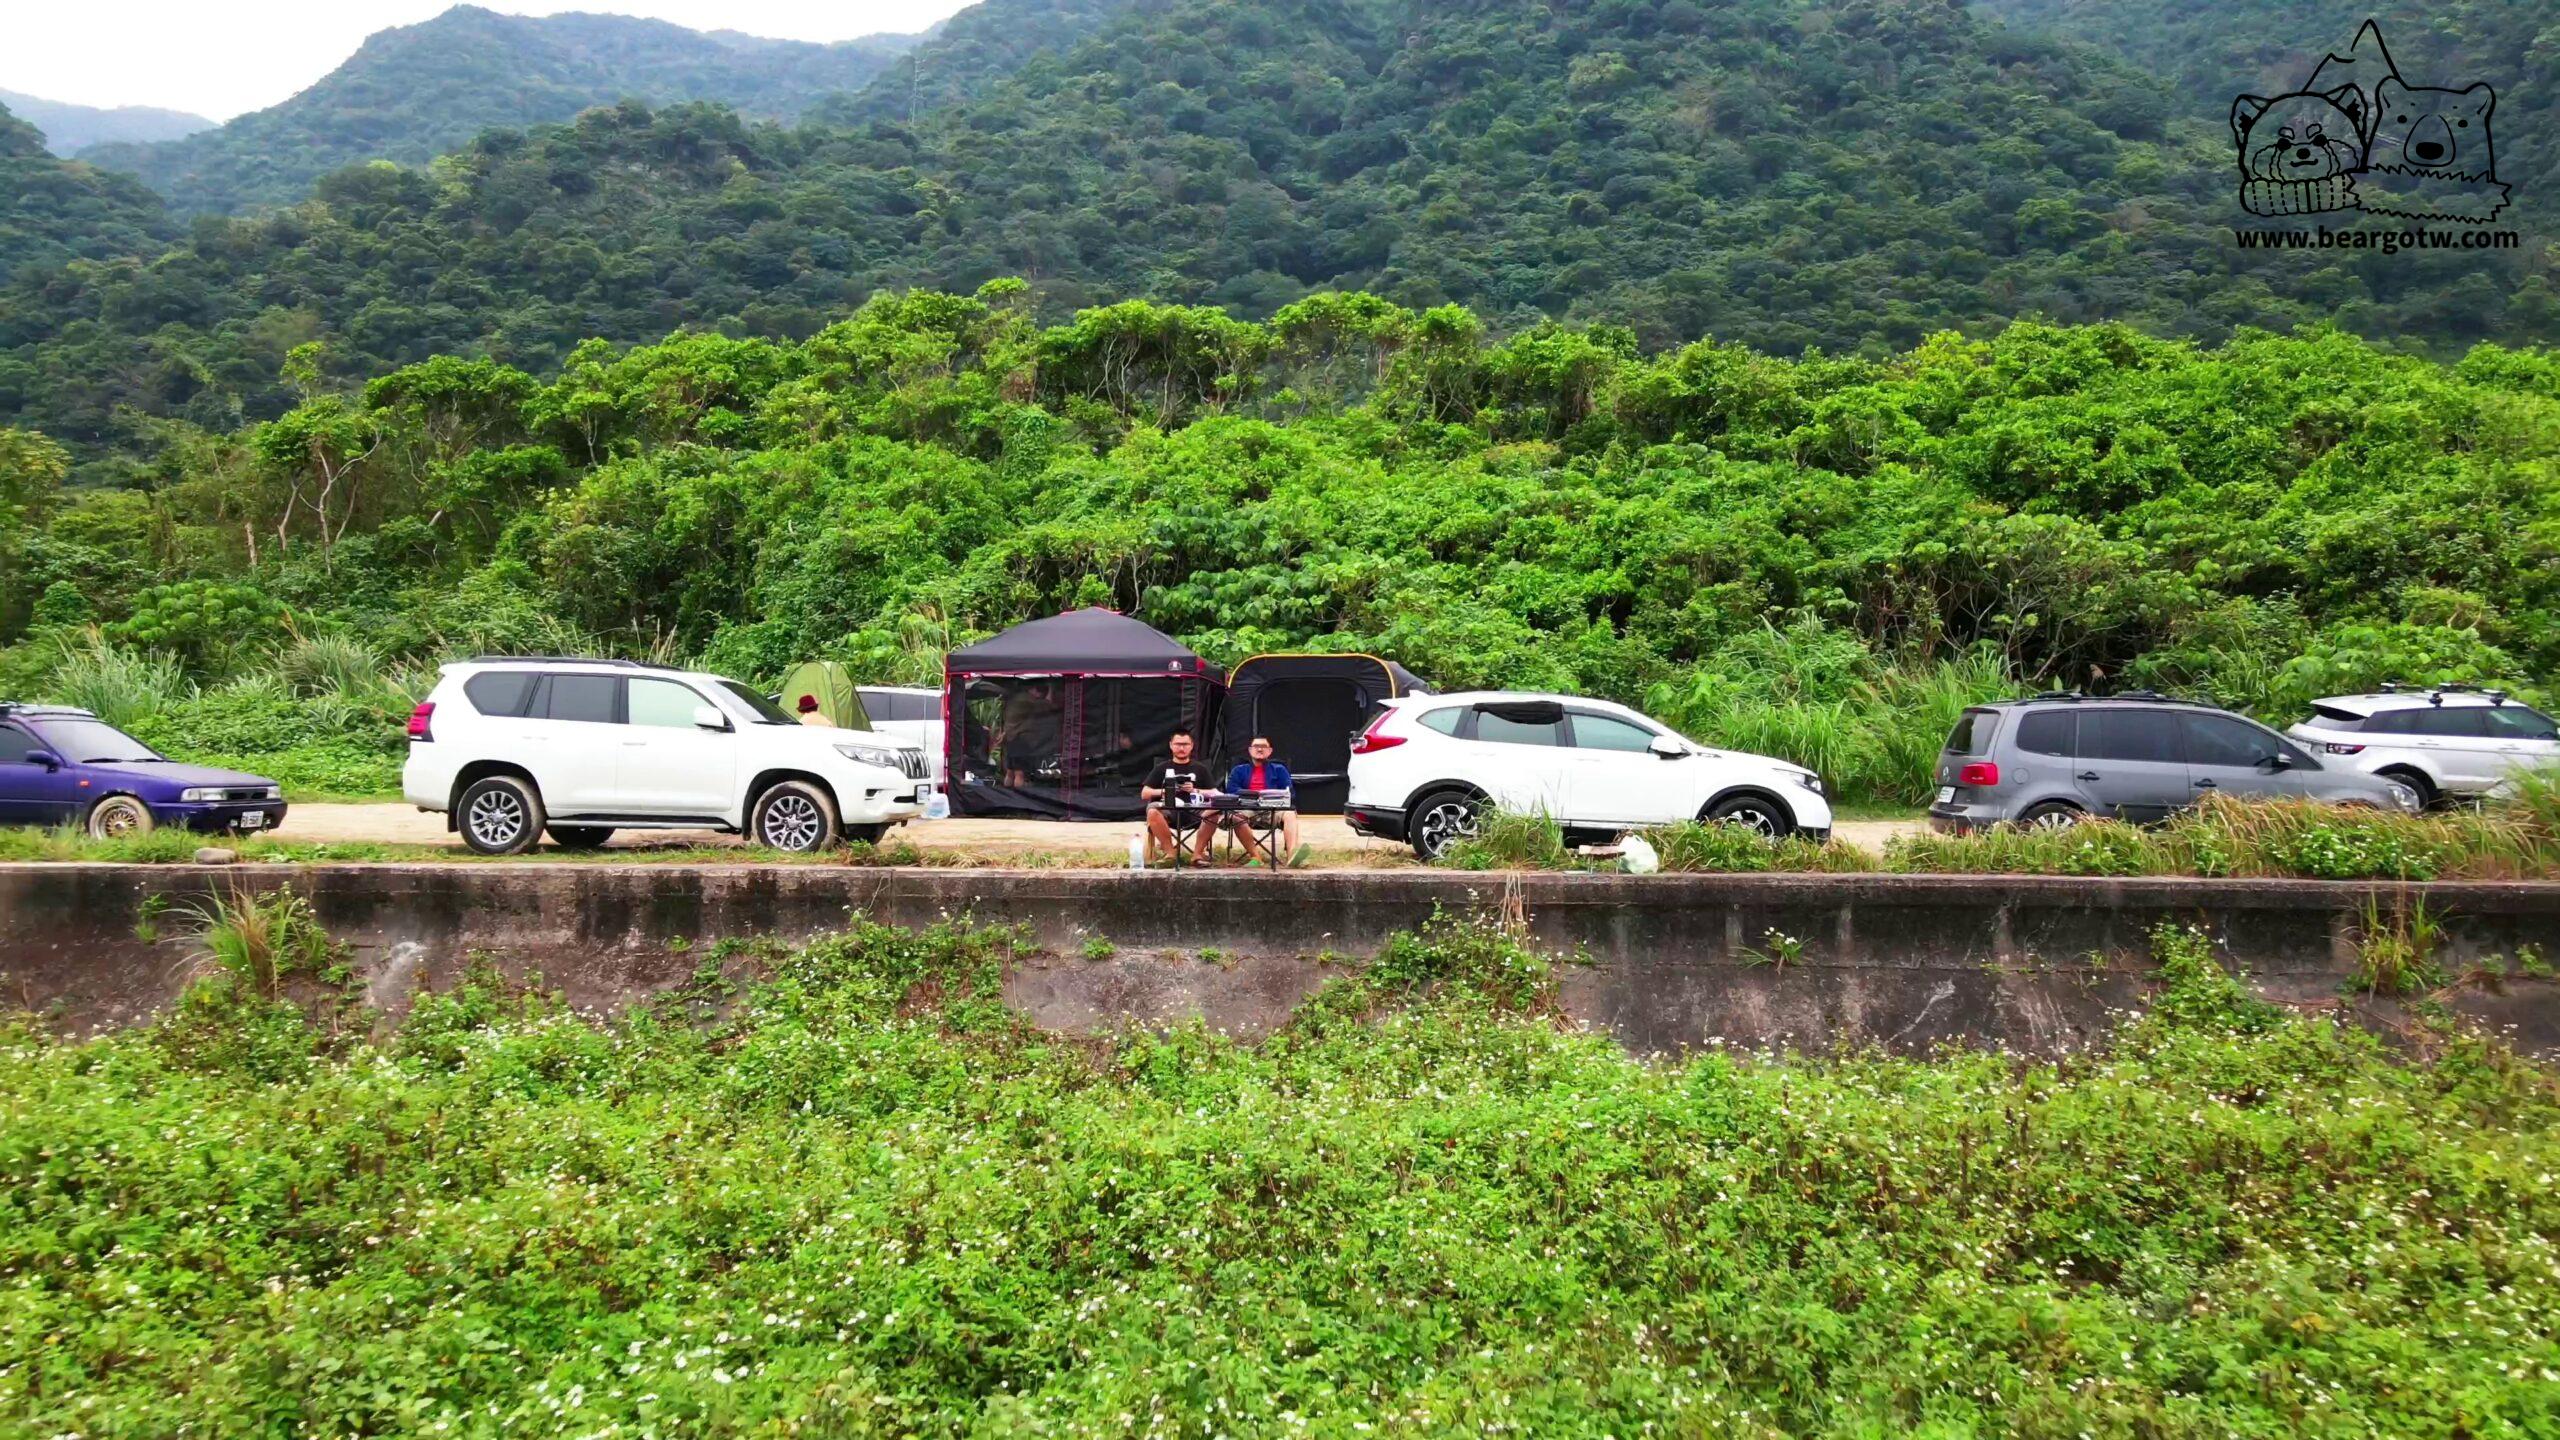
point(2445, 742)
point(507, 748)
point(1427, 765)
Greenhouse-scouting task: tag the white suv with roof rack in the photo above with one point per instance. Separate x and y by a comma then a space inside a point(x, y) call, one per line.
point(1428, 765)
point(508, 748)
point(2444, 741)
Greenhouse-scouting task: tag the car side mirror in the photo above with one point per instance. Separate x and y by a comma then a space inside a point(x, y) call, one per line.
point(707, 718)
point(45, 758)
point(2273, 763)
point(1668, 747)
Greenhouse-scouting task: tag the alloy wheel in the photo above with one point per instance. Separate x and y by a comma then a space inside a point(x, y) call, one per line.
point(792, 822)
point(497, 819)
point(1447, 823)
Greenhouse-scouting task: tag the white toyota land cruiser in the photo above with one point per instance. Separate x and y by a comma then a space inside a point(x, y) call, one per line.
point(509, 748)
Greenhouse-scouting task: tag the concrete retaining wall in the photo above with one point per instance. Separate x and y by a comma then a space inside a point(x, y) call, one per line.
point(2032, 963)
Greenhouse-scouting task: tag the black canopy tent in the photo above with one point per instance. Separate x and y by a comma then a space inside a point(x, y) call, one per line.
point(1309, 706)
point(1057, 719)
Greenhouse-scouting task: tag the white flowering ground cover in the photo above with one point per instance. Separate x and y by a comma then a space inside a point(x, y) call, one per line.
point(854, 1196)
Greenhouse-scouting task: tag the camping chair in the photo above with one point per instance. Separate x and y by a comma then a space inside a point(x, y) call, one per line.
point(1183, 822)
point(1259, 839)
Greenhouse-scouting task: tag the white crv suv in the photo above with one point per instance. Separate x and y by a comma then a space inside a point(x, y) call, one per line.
point(1428, 765)
point(2446, 742)
point(508, 748)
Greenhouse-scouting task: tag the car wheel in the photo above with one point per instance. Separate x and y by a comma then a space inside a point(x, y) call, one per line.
point(794, 817)
point(2429, 797)
point(118, 816)
point(501, 815)
point(1756, 812)
point(580, 837)
point(866, 834)
point(1442, 819)
point(2052, 815)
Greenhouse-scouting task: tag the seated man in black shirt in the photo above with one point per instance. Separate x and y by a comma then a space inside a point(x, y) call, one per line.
point(1175, 780)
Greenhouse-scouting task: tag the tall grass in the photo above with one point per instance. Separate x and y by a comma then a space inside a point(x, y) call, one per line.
point(122, 687)
point(1872, 731)
point(2273, 838)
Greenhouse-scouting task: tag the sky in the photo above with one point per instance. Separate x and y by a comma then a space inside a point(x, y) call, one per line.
point(220, 58)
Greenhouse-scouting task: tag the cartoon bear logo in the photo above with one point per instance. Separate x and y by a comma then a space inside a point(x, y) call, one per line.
point(2434, 132)
point(2358, 137)
point(2298, 152)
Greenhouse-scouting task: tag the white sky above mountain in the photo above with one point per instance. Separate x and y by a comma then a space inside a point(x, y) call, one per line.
point(221, 58)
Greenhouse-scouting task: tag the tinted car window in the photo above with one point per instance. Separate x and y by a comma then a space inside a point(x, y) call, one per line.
point(663, 704)
point(2330, 718)
point(1445, 720)
point(2520, 722)
point(2431, 720)
point(1608, 732)
point(2146, 735)
point(1501, 729)
point(14, 744)
point(1972, 734)
point(2221, 740)
point(593, 699)
point(501, 693)
point(2048, 732)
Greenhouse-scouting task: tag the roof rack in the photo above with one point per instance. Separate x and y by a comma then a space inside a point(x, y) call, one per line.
point(2149, 696)
point(2435, 693)
point(564, 660)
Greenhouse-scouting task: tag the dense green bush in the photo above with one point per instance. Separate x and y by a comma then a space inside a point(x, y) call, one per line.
point(861, 1199)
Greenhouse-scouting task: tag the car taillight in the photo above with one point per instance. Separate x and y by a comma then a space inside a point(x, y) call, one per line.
point(2334, 748)
point(1980, 772)
point(420, 721)
point(1374, 739)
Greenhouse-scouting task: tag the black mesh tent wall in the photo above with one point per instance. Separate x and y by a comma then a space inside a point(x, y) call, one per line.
point(1309, 706)
point(1057, 719)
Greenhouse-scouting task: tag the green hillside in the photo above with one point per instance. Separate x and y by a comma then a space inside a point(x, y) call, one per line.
point(1783, 173)
point(2208, 54)
point(54, 210)
point(414, 93)
point(69, 128)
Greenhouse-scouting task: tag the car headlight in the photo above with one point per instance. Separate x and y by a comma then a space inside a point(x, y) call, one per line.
point(199, 797)
point(880, 755)
point(275, 792)
point(1810, 781)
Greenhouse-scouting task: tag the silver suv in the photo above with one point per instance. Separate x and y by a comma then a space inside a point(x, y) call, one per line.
point(2446, 742)
point(2060, 758)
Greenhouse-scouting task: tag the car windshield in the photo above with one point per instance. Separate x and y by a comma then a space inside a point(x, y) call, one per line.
point(766, 712)
point(94, 742)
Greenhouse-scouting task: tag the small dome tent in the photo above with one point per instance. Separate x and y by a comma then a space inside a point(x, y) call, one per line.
point(838, 699)
point(1309, 707)
point(1057, 719)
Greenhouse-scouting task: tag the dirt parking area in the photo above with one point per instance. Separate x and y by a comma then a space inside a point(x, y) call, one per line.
point(1332, 840)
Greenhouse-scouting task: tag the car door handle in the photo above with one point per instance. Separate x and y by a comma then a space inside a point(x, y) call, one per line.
point(635, 744)
point(2088, 775)
point(2208, 784)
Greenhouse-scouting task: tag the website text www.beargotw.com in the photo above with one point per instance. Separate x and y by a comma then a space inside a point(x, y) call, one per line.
point(2389, 242)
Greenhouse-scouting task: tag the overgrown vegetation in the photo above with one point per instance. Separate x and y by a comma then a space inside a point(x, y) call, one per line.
point(860, 1198)
point(1821, 559)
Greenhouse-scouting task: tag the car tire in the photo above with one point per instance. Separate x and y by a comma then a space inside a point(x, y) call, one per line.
point(2051, 815)
point(1757, 812)
point(795, 817)
point(117, 817)
point(2429, 797)
point(1441, 819)
point(866, 834)
point(499, 815)
point(580, 837)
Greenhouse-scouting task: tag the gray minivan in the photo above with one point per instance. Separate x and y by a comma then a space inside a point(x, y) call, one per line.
point(2057, 759)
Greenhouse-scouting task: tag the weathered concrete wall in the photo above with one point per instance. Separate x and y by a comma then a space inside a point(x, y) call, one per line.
point(2032, 963)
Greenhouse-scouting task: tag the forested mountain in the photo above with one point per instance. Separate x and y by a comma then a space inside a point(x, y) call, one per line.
point(2209, 53)
point(67, 128)
point(1781, 172)
point(53, 210)
point(413, 93)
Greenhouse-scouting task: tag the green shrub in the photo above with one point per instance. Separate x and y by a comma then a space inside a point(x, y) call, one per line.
point(120, 686)
point(1509, 840)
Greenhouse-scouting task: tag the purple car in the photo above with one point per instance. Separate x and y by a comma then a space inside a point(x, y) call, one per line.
point(61, 766)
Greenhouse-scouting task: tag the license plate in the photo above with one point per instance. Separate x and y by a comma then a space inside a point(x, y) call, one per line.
point(254, 820)
point(1946, 794)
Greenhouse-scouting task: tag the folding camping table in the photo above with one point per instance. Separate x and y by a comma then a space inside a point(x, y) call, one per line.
point(1265, 820)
